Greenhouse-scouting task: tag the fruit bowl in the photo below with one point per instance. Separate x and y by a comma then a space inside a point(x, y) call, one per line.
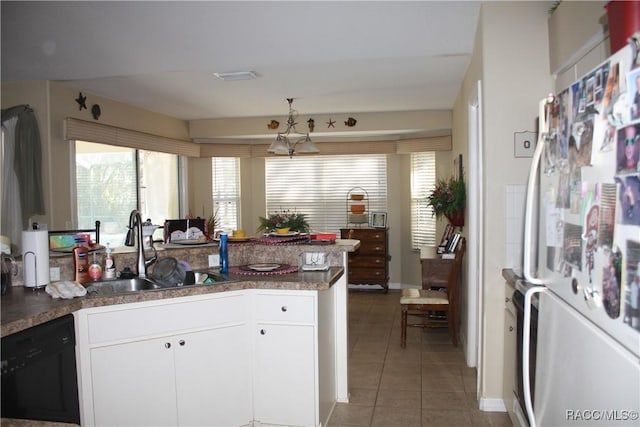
point(357, 209)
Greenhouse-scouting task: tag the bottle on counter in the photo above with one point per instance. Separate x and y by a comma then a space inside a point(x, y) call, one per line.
point(81, 264)
point(95, 269)
point(224, 255)
point(109, 264)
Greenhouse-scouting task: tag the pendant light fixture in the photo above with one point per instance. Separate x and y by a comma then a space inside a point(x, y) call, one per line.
point(286, 142)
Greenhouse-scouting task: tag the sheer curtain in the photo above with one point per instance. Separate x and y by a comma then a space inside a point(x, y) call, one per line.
point(11, 215)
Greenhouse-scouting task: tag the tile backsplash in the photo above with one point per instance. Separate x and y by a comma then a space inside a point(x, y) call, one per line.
point(514, 214)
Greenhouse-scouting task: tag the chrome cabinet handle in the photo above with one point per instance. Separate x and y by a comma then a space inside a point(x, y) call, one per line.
point(283, 308)
point(510, 328)
point(167, 345)
point(181, 342)
point(263, 332)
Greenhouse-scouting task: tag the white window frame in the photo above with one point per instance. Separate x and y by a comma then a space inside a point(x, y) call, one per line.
point(225, 189)
point(423, 181)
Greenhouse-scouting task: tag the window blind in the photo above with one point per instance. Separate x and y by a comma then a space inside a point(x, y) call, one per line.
point(226, 190)
point(423, 180)
point(81, 130)
point(317, 186)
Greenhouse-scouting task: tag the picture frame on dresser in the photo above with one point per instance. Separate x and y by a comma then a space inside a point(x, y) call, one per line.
point(379, 219)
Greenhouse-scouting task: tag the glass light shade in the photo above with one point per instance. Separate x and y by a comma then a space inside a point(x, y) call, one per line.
point(308, 146)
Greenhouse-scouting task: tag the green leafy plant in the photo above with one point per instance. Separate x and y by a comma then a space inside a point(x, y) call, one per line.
point(447, 197)
point(284, 219)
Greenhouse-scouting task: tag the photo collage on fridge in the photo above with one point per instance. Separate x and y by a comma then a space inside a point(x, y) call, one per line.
point(592, 152)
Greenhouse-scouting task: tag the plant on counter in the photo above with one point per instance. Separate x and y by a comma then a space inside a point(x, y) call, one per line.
point(284, 219)
point(448, 198)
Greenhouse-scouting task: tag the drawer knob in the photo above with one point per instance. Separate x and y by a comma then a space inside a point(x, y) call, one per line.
point(263, 332)
point(181, 342)
point(507, 299)
point(167, 345)
point(510, 328)
point(283, 308)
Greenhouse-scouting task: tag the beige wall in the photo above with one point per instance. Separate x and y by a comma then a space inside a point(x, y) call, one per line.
point(511, 60)
point(52, 103)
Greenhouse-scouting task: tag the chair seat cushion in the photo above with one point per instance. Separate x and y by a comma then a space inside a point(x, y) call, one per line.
point(423, 296)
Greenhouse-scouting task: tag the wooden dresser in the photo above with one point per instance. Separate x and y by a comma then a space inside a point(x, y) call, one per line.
point(369, 265)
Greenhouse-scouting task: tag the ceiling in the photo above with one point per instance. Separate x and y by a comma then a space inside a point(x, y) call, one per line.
point(333, 57)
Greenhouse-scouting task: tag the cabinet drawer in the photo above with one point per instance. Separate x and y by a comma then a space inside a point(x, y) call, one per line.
point(367, 275)
point(285, 308)
point(365, 235)
point(356, 260)
point(376, 248)
point(165, 318)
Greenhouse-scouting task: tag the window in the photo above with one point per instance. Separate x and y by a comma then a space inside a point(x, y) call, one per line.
point(226, 190)
point(423, 181)
point(112, 181)
point(317, 186)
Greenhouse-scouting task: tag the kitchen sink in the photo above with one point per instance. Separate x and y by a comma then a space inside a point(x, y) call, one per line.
point(120, 286)
point(137, 284)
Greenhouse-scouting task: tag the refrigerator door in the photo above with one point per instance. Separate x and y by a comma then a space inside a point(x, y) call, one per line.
point(583, 376)
point(588, 249)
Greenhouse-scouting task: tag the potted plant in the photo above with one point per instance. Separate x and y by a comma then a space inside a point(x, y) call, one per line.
point(284, 222)
point(448, 199)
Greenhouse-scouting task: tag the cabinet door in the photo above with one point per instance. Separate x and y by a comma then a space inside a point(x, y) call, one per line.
point(134, 384)
point(284, 384)
point(212, 377)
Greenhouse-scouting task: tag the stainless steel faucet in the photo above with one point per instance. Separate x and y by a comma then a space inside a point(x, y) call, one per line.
point(135, 221)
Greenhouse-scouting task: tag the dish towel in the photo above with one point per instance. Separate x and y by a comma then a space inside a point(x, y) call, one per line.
point(65, 289)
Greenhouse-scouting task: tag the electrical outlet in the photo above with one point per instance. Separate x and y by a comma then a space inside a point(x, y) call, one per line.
point(54, 274)
point(214, 260)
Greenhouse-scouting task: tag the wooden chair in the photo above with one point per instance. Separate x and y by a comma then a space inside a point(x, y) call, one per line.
point(437, 308)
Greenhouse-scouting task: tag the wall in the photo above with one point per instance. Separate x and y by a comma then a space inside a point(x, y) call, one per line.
point(511, 60)
point(53, 102)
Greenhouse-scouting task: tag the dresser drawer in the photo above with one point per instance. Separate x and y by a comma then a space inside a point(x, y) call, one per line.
point(370, 236)
point(285, 308)
point(359, 260)
point(361, 275)
point(371, 248)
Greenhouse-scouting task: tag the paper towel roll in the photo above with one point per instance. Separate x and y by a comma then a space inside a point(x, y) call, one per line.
point(35, 258)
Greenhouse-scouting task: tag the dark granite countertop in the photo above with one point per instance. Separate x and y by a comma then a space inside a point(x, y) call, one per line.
point(25, 307)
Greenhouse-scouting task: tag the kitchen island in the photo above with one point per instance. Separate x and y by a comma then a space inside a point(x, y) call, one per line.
point(267, 349)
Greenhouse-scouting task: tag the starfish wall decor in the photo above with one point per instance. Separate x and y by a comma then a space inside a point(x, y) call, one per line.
point(82, 101)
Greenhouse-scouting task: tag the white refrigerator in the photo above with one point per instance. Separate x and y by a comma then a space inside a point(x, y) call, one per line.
point(582, 251)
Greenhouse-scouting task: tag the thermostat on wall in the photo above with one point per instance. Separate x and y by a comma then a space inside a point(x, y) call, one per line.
point(524, 143)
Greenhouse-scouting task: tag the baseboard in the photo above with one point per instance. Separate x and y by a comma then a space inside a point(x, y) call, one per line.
point(492, 405)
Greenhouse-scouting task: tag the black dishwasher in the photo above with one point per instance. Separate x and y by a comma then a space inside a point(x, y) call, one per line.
point(39, 379)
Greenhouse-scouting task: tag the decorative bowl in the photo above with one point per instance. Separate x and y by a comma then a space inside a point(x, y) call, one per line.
point(357, 209)
point(284, 230)
point(357, 196)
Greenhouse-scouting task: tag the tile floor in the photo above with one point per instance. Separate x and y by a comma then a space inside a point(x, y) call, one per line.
point(426, 384)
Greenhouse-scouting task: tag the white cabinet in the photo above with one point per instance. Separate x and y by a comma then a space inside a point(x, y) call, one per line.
point(122, 376)
point(132, 372)
point(225, 359)
point(509, 354)
point(285, 359)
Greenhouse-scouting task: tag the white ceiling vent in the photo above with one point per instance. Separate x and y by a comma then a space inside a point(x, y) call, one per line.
point(236, 75)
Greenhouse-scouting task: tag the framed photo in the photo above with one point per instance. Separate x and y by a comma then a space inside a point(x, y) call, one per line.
point(379, 219)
